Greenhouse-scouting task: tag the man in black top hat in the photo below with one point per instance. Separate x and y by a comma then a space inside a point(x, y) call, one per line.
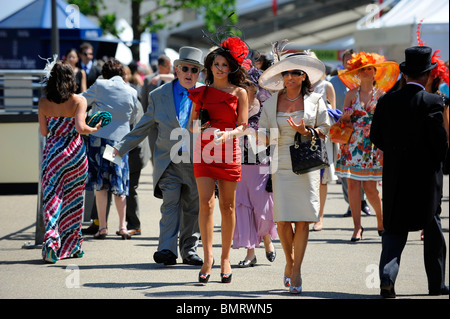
point(408, 127)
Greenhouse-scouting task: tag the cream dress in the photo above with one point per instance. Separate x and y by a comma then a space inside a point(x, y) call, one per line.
point(295, 197)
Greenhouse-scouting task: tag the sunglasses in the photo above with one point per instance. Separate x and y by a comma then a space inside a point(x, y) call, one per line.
point(87, 53)
point(293, 73)
point(186, 69)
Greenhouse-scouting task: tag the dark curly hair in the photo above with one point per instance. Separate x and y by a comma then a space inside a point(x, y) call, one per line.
point(236, 77)
point(111, 68)
point(62, 84)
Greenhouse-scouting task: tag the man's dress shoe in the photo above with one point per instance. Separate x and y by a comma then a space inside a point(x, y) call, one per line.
point(165, 257)
point(193, 260)
point(387, 288)
point(442, 291)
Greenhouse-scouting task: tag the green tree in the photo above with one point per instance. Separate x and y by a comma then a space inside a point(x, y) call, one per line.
point(215, 13)
point(93, 8)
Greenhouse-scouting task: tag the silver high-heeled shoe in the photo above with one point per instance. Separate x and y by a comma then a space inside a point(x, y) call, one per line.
point(287, 281)
point(296, 290)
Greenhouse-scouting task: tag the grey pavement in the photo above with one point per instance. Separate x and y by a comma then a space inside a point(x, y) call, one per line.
point(333, 268)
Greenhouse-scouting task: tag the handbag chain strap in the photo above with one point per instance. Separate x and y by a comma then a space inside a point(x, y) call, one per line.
point(314, 147)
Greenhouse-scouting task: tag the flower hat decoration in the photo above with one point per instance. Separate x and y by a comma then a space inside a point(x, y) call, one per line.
point(386, 76)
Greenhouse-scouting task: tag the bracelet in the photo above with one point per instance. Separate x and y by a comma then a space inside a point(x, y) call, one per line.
point(244, 125)
point(306, 134)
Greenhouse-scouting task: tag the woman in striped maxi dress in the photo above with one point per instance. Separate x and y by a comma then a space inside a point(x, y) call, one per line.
point(64, 163)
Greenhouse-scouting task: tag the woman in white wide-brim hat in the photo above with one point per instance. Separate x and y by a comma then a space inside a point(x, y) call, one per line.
point(288, 111)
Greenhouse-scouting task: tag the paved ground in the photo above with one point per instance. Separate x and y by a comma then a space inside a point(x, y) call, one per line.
point(334, 268)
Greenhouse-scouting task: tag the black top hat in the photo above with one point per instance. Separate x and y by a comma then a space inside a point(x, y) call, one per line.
point(418, 61)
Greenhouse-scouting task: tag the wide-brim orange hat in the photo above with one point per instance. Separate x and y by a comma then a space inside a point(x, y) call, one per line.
point(385, 78)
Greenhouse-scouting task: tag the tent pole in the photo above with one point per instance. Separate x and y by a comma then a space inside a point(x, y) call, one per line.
point(55, 31)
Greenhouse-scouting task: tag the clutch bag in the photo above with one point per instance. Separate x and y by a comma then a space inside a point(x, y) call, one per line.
point(203, 116)
point(95, 118)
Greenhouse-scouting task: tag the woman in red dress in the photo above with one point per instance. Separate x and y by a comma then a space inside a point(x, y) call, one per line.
point(217, 156)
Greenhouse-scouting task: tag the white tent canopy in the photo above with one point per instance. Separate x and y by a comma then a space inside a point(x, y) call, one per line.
point(395, 31)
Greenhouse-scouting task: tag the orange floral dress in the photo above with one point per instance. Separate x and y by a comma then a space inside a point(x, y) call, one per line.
point(358, 158)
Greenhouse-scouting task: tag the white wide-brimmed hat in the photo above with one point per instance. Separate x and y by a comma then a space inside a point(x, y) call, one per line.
point(272, 79)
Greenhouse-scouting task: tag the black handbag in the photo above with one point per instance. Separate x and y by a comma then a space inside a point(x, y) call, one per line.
point(310, 155)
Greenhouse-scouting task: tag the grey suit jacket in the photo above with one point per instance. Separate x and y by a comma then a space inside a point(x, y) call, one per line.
point(118, 98)
point(161, 115)
point(140, 156)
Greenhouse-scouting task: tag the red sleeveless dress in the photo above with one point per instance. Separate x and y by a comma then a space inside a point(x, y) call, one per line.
point(222, 162)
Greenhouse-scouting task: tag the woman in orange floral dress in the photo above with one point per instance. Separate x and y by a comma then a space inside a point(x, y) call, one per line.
point(368, 76)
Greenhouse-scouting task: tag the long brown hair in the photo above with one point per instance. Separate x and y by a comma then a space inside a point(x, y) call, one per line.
point(62, 84)
point(236, 77)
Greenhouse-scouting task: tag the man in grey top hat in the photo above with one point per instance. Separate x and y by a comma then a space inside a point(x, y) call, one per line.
point(168, 112)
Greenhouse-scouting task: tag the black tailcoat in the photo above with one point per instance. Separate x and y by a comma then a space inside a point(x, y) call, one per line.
point(408, 127)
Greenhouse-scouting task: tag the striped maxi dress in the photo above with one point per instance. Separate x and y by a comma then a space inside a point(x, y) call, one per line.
point(64, 172)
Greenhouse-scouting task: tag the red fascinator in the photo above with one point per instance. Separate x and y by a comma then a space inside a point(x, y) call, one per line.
point(440, 70)
point(237, 48)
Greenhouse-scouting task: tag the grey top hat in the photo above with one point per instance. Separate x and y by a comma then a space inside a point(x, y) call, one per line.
point(417, 60)
point(190, 55)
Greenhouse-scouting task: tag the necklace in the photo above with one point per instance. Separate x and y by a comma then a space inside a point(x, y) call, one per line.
point(292, 100)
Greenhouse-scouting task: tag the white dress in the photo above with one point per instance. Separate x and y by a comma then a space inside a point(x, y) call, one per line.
point(295, 197)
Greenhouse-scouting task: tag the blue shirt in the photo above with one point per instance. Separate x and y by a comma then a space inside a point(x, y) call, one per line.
point(178, 93)
point(178, 90)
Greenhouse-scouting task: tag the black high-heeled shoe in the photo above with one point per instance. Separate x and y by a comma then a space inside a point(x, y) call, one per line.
point(203, 278)
point(271, 255)
point(356, 238)
point(226, 278)
point(100, 235)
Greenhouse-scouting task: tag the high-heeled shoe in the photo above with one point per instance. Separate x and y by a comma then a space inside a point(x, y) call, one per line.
point(226, 277)
point(296, 289)
point(358, 238)
point(271, 255)
point(123, 232)
point(247, 263)
point(287, 281)
point(203, 278)
point(50, 256)
point(100, 235)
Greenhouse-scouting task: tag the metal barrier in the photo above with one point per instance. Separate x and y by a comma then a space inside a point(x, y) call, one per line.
point(20, 90)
